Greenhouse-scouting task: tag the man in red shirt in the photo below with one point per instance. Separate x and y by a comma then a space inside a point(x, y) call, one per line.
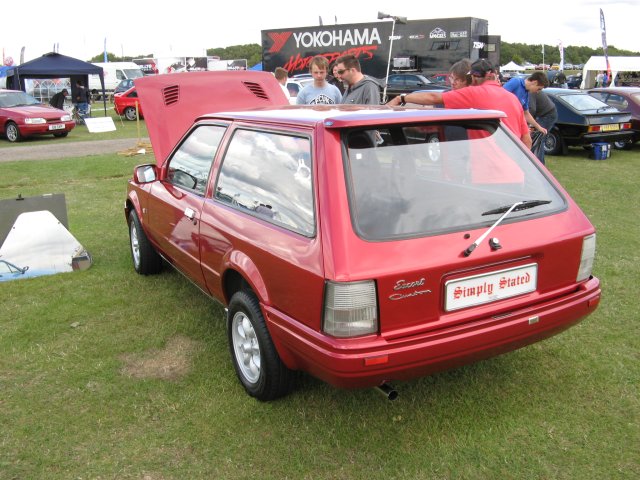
point(485, 93)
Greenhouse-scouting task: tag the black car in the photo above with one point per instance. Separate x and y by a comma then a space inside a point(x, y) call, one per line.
point(574, 81)
point(584, 120)
point(400, 83)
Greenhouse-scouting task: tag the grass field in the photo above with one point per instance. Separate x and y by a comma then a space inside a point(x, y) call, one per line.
point(105, 374)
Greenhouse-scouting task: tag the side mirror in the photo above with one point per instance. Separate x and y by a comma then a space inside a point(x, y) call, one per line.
point(145, 174)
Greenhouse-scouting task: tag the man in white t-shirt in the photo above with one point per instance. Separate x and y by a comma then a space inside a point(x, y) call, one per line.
point(320, 92)
point(282, 76)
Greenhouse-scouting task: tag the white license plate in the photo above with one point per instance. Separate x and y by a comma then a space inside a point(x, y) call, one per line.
point(610, 128)
point(56, 126)
point(490, 287)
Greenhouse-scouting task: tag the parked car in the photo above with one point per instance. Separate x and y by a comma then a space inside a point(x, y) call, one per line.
point(123, 86)
point(399, 83)
point(441, 78)
point(126, 103)
point(584, 120)
point(574, 81)
point(21, 116)
point(360, 244)
point(625, 99)
point(294, 85)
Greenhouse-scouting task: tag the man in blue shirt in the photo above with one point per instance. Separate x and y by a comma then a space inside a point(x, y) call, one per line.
point(521, 87)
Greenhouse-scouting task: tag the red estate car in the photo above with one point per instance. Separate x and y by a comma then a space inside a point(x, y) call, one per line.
point(359, 244)
point(21, 116)
point(125, 104)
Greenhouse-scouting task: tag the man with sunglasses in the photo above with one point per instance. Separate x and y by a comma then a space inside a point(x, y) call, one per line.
point(485, 93)
point(362, 89)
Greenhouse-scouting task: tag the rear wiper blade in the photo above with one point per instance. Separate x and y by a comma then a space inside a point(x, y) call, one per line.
point(523, 205)
point(506, 210)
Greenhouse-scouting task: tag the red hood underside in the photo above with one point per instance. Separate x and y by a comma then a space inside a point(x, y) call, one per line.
point(172, 102)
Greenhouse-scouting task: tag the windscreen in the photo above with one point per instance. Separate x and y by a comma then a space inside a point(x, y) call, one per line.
point(16, 99)
point(420, 180)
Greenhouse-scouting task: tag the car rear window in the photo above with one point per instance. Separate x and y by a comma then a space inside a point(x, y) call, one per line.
point(422, 180)
point(583, 102)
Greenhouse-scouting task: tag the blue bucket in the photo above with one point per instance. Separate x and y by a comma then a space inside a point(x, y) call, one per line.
point(600, 151)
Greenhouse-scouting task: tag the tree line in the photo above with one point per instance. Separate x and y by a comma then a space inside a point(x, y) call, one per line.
point(518, 52)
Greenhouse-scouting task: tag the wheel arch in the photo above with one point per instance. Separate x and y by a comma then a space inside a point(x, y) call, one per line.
point(241, 273)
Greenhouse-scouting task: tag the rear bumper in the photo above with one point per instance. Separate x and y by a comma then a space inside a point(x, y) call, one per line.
point(600, 137)
point(370, 361)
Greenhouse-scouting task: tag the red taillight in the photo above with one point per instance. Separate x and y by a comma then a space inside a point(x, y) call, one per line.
point(625, 126)
point(593, 129)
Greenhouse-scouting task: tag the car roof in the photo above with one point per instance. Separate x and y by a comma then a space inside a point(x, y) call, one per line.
point(628, 90)
point(341, 116)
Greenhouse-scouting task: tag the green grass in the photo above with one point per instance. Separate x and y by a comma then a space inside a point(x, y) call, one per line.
point(565, 408)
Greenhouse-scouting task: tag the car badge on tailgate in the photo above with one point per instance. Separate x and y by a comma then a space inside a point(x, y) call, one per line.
point(403, 287)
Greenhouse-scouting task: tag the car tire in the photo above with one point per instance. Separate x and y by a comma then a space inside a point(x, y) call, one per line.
point(130, 113)
point(553, 143)
point(255, 359)
point(61, 134)
point(146, 260)
point(12, 132)
point(622, 145)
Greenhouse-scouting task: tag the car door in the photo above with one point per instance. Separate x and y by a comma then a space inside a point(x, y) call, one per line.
point(176, 200)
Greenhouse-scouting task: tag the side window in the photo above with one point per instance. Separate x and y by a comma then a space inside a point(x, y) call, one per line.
point(190, 165)
point(133, 94)
point(268, 175)
point(293, 89)
point(120, 75)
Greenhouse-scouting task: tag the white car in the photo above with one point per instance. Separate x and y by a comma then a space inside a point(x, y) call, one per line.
point(294, 85)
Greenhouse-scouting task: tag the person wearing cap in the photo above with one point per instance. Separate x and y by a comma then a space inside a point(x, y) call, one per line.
point(522, 88)
point(484, 93)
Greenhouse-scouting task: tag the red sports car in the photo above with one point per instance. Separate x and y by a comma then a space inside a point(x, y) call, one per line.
point(128, 104)
point(21, 116)
point(360, 244)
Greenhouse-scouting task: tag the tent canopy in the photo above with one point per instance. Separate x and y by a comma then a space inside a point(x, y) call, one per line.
point(599, 64)
point(54, 65)
point(511, 67)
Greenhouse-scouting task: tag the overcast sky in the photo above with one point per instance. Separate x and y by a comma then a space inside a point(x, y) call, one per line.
point(189, 27)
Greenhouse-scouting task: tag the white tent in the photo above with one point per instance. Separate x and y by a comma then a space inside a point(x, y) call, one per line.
point(598, 64)
point(511, 67)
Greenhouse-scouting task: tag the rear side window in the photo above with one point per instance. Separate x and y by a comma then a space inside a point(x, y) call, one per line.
point(269, 175)
point(190, 166)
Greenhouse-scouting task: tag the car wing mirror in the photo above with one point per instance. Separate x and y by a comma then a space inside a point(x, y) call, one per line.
point(145, 174)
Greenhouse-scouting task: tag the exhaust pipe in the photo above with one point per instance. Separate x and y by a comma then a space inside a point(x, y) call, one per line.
point(388, 391)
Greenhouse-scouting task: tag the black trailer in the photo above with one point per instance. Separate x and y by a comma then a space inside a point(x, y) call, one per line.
point(418, 45)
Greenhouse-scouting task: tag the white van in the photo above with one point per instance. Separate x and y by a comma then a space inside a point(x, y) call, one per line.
point(113, 72)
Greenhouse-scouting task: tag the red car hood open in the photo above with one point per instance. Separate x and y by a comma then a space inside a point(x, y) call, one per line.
point(172, 102)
